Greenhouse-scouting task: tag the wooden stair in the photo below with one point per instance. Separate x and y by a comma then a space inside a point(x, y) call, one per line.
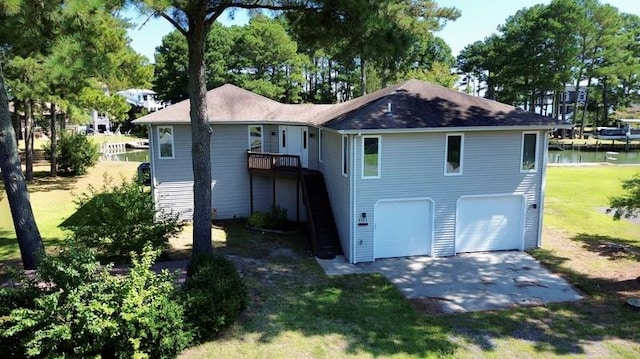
point(323, 233)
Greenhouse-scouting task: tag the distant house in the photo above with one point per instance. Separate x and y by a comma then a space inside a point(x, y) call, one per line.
point(412, 169)
point(142, 98)
point(100, 122)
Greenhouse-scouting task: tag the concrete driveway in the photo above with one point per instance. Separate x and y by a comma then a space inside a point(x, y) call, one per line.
point(467, 282)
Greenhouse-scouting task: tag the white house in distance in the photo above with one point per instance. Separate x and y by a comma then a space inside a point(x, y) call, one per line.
point(412, 169)
point(142, 98)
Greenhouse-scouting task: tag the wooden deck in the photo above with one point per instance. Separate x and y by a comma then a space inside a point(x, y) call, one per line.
point(273, 164)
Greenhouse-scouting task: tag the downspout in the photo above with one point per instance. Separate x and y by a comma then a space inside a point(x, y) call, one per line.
point(352, 194)
point(543, 183)
point(152, 147)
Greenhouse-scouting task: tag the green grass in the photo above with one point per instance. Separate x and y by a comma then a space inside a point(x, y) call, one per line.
point(575, 195)
point(297, 311)
point(52, 200)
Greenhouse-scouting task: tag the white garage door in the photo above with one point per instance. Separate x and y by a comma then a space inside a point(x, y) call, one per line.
point(402, 228)
point(489, 223)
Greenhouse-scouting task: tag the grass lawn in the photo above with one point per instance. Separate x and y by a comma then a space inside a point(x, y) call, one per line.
point(52, 201)
point(297, 311)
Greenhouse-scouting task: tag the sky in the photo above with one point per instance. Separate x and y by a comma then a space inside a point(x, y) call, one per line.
point(479, 19)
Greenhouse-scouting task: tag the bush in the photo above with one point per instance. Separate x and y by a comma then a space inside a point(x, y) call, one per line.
point(213, 295)
point(120, 219)
point(79, 310)
point(274, 219)
point(75, 154)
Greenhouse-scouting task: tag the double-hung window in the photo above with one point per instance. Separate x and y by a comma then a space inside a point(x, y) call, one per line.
point(165, 142)
point(345, 155)
point(454, 148)
point(255, 139)
point(529, 158)
point(371, 157)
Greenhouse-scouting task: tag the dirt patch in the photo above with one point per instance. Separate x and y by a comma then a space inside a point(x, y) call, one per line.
point(600, 266)
point(428, 305)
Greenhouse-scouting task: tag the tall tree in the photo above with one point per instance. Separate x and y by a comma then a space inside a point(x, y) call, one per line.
point(380, 32)
point(15, 184)
point(194, 19)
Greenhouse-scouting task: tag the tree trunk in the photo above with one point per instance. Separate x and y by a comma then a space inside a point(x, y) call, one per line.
point(201, 137)
point(584, 108)
point(28, 140)
point(15, 186)
point(54, 141)
point(363, 77)
point(575, 102)
point(605, 102)
point(16, 118)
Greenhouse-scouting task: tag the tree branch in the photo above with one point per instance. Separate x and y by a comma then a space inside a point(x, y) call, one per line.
point(217, 10)
point(173, 22)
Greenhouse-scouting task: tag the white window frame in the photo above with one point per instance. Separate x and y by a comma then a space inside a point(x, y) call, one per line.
point(320, 145)
point(173, 147)
point(345, 156)
point(379, 138)
point(446, 154)
point(261, 136)
point(536, 153)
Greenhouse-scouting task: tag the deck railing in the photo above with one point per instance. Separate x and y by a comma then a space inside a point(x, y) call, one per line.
point(272, 162)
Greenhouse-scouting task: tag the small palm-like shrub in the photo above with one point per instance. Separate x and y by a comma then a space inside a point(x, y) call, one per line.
point(274, 219)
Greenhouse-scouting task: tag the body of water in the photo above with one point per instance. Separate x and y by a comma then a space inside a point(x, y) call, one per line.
point(128, 156)
point(575, 156)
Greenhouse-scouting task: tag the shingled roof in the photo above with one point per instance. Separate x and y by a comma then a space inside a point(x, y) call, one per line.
point(411, 105)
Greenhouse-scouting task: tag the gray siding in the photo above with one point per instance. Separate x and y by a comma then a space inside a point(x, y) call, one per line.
point(173, 178)
point(338, 187)
point(312, 145)
point(413, 166)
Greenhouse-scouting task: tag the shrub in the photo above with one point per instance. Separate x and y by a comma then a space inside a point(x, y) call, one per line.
point(75, 154)
point(79, 310)
point(274, 219)
point(120, 219)
point(213, 295)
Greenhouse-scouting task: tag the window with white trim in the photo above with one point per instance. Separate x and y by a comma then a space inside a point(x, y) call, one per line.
point(165, 142)
point(255, 139)
point(529, 157)
point(345, 155)
point(454, 148)
point(371, 157)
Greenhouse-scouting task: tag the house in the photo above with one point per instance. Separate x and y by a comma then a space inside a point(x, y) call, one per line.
point(142, 98)
point(412, 169)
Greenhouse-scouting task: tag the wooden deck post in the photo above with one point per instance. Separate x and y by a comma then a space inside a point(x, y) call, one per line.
point(274, 193)
point(298, 198)
point(251, 191)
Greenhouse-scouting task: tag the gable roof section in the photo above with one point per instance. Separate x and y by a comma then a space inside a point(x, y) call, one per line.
point(419, 105)
point(227, 103)
point(414, 105)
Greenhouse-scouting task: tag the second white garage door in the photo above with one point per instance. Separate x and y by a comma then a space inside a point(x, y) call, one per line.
point(489, 223)
point(403, 228)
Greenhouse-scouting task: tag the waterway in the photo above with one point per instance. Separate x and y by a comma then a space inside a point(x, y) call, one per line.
point(128, 156)
point(576, 156)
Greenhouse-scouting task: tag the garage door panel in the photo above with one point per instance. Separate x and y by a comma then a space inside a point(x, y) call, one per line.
point(489, 223)
point(403, 228)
